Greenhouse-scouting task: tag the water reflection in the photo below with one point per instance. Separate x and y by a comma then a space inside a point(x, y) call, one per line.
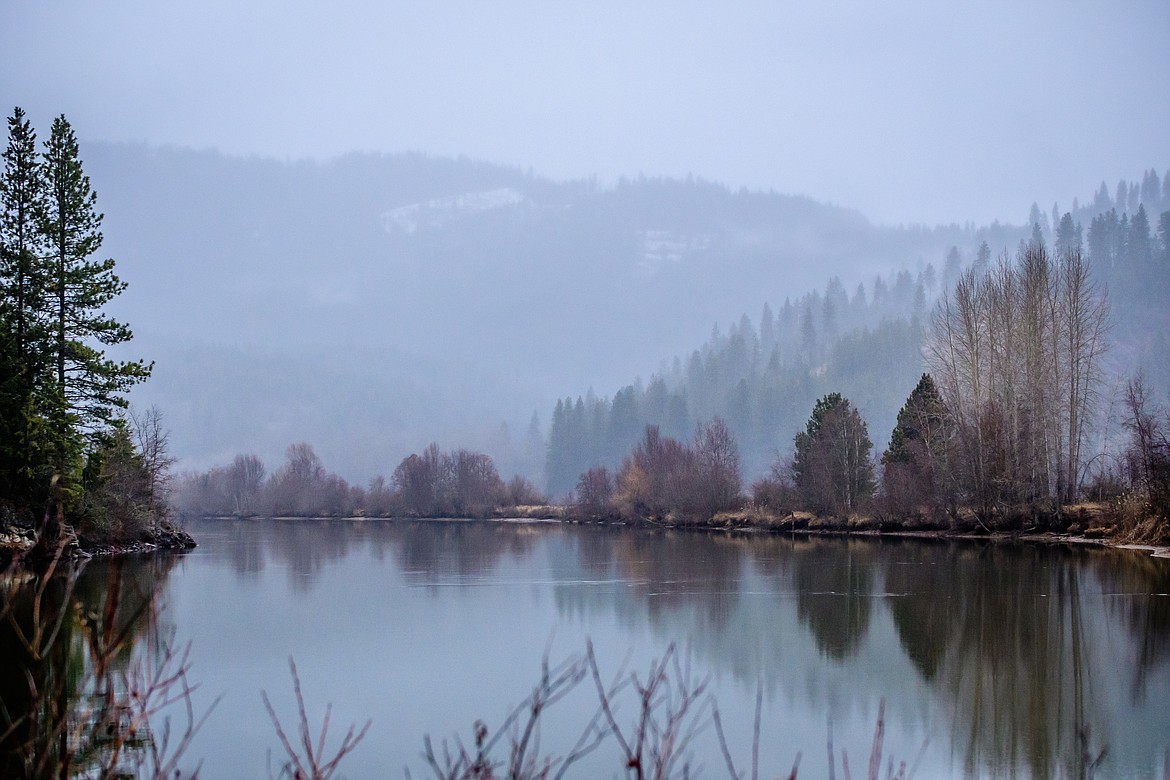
point(1018, 645)
point(71, 639)
point(833, 593)
point(1138, 595)
point(1012, 652)
point(425, 552)
point(1000, 654)
point(456, 550)
point(924, 625)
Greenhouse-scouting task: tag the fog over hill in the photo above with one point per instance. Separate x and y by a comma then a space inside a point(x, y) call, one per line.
point(336, 289)
point(372, 304)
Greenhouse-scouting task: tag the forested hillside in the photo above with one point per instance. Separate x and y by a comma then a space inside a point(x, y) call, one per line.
point(372, 304)
point(763, 376)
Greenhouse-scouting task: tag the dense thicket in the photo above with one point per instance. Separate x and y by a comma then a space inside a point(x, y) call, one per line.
point(432, 483)
point(1146, 462)
point(66, 454)
point(664, 478)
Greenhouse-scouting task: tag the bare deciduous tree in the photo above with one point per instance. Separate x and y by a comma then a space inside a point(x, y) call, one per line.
point(1017, 356)
point(153, 443)
point(718, 483)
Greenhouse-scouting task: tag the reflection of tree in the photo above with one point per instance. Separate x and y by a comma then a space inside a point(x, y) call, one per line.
point(429, 552)
point(306, 547)
point(920, 603)
point(1139, 589)
point(75, 698)
point(675, 569)
point(833, 593)
point(426, 551)
point(1002, 631)
point(1017, 640)
point(244, 550)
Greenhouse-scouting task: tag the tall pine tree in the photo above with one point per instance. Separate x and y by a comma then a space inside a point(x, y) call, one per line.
point(24, 459)
point(80, 285)
point(21, 198)
point(84, 390)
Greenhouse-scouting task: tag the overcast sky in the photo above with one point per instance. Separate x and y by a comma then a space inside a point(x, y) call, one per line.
point(911, 112)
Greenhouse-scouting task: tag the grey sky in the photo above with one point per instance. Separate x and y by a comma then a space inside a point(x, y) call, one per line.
point(910, 112)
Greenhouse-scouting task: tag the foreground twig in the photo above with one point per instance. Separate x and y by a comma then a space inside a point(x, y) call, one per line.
point(313, 764)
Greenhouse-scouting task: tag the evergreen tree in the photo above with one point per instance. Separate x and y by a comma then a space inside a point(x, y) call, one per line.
point(982, 259)
point(21, 198)
point(808, 336)
point(85, 388)
point(80, 285)
point(1164, 241)
point(557, 466)
point(1068, 235)
point(1101, 201)
point(1151, 189)
point(1139, 246)
point(59, 395)
point(951, 270)
point(624, 425)
point(1039, 222)
point(767, 330)
point(831, 469)
point(916, 463)
point(24, 467)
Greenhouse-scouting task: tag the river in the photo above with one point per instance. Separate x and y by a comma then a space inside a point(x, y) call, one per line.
point(992, 659)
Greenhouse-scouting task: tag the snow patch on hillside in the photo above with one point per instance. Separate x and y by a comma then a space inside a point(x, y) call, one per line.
point(661, 248)
point(434, 213)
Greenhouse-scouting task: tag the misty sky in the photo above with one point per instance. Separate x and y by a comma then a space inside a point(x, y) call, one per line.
point(910, 112)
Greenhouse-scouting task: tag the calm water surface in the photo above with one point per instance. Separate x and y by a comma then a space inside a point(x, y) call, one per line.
point(991, 658)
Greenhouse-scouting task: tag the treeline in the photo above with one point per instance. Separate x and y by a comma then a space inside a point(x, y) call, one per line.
point(1127, 237)
point(1151, 194)
point(761, 380)
point(433, 483)
point(870, 345)
point(1019, 353)
point(70, 459)
point(997, 434)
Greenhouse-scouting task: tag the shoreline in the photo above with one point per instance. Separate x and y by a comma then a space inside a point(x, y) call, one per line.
point(716, 526)
point(168, 537)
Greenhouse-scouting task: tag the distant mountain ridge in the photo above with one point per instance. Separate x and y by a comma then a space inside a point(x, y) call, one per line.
point(446, 296)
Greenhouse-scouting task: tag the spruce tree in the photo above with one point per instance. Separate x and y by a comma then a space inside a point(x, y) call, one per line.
point(80, 285)
point(831, 467)
point(916, 465)
point(21, 198)
point(82, 394)
point(25, 465)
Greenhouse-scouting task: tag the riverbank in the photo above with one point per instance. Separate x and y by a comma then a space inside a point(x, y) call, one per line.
point(1093, 524)
point(17, 542)
point(1084, 524)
